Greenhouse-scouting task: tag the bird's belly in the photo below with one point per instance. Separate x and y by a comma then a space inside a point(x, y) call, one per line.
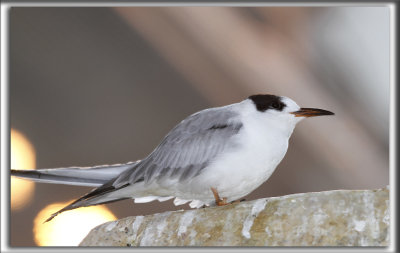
point(239, 172)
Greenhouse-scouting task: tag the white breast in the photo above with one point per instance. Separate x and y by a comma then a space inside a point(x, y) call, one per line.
point(240, 172)
point(260, 148)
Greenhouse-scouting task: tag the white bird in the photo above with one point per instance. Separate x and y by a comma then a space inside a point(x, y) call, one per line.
point(214, 156)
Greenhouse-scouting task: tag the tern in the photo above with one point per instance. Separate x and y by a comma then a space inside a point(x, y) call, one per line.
point(213, 157)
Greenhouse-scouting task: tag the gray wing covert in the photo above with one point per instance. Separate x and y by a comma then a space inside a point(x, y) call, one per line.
point(188, 147)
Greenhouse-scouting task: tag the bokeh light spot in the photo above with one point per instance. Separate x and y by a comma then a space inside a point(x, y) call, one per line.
point(22, 158)
point(68, 228)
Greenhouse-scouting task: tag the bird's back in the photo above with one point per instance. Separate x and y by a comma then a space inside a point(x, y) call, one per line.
point(187, 149)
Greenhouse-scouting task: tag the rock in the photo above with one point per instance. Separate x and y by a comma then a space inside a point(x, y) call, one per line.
point(331, 218)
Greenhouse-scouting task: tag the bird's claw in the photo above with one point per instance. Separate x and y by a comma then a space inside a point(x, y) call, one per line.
point(218, 200)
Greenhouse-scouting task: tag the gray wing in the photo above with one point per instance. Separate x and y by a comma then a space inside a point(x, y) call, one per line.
point(188, 148)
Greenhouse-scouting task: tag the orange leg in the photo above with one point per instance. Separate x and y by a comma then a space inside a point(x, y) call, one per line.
point(218, 200)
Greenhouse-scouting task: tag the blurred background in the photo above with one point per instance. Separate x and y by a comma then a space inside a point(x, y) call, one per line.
point(92, 86)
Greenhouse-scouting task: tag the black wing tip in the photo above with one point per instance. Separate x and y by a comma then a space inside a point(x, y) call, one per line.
point(51, 217)
point(15, 171)
point(66, 208)
point(25, 173)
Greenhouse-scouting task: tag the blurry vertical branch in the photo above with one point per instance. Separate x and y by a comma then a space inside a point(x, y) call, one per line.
point(256, 51)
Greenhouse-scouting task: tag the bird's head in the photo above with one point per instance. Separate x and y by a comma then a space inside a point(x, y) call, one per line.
point(282, 109)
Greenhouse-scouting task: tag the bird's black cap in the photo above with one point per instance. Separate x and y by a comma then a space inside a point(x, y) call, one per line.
point(265, 102)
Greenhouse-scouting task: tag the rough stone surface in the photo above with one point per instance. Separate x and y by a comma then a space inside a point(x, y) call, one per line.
point(331, 218)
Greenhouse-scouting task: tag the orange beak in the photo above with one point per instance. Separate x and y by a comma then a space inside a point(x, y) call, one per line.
point(311, 112)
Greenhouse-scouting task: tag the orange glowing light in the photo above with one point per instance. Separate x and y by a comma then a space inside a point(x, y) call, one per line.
point(22, 158)
point(70, 227)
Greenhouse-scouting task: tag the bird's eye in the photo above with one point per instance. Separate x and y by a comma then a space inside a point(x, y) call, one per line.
point(277, 105)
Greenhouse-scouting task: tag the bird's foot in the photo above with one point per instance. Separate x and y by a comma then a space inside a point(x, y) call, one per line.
point(218, 200)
